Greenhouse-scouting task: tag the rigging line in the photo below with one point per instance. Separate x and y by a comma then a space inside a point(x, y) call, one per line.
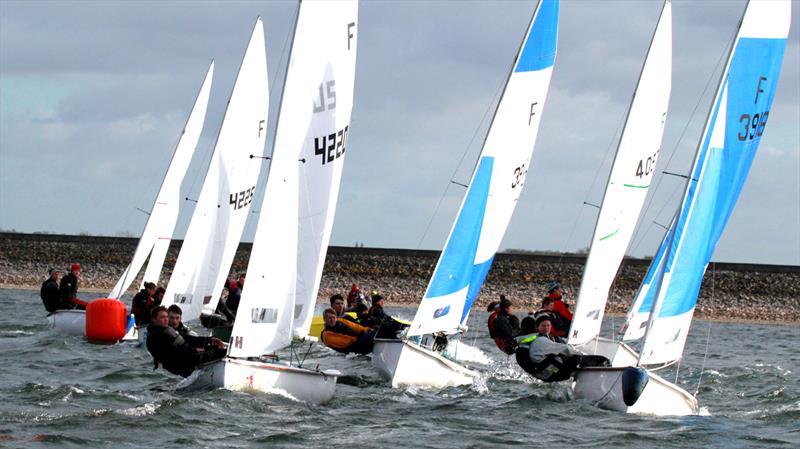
point(708, 334)
point(655, 189)
point(461, 160)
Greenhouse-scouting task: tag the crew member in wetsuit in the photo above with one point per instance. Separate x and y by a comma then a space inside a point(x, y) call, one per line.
point(563, 315)
point(69, 289)
point(560, 325)
point(49, 292)
point(356, 297)
point(388, 327)
point(346, 336)
point(177, 353)
point(493, 308)
point(143, 303)
point(505, 326)
point(549, 358)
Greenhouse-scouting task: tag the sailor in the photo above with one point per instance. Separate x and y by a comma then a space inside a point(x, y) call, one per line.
point(143, 303)
point(388, 327)
point(364, 318)
point(560, 308)
point(493, 308)
point(174, 320)
point(560, 325)
point(177, 353)
point(158, 296)
point(549, 358)
point(235, 295)
point(69, 289)
point(505, 326)
point(49, 292)
point(356, 297)
point(346, 336)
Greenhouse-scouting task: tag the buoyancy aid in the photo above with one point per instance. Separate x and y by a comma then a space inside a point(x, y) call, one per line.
point(171, 350)
point(490, 323)
point(342, 336)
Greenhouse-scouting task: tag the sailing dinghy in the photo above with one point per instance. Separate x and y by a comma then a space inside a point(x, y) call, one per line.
point(482, 220)
point(662, 311)
point(306, 165)
point(626, 189)
point(160, 225)
point(224, 203)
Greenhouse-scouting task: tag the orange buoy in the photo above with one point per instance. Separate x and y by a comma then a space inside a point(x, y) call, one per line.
point(106, 320)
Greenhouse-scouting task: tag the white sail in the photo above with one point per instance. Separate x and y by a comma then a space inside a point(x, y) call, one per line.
point(735, 124)
point(496, 183)
point(328, 63)
point(160, 224)
point(224, 202)
point(315, 113)
point(628, 182)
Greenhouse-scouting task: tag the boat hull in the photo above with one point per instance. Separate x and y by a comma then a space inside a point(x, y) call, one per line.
point(68, 322)
point(406, 364)
point(617, 352)
point(301, 384)
point(602, 387)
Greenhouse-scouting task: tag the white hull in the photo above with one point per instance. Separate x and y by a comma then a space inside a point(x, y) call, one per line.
point(405, 364)
point(300, 384)
point(619, 353)
point(602, 387)
point(68, 322)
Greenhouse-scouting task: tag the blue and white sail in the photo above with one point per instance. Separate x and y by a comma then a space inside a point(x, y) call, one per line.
point(736, 122)
point(496, 182)
point(157, 233)
point(628, 182)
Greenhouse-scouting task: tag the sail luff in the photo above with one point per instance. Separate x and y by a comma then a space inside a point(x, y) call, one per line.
point(163, 216)
point(628, 182)
point(496, 183)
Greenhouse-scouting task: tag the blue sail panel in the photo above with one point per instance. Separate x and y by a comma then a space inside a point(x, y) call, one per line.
point(456, 265)
point(539, 51)
point(751, 86)
point(479, 272)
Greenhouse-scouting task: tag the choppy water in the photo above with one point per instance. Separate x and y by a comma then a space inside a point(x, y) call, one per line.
point(64, 392)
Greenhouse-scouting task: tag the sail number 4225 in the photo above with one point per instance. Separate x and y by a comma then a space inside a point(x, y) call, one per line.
point(243, 198)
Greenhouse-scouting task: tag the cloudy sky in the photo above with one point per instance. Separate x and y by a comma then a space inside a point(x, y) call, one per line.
point(93, 97)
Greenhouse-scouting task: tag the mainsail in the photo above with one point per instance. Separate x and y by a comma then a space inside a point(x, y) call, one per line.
point(628, 182)
point(496, 182)
point(303, 181)
point(224, 203)
point(736, 122)
point(161, 223)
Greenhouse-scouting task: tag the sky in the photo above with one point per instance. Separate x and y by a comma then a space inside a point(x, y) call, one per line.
point(94, 95)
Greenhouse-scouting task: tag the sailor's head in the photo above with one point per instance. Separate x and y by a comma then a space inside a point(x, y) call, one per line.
point(362, 309)
point(75, 268)
point(544, 325)
point(174, 314)
point(150, 288)
point(377, 300)
point(54, 273)
point(159, 316)
point(159, 294)
point(337, 304)
point(330, 317)
point(506, 304)
point(527, 325)
point(547, 303)
point(241, 279)
point(553, 286)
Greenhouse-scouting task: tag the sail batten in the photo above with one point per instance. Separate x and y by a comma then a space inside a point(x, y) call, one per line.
point(496, 183)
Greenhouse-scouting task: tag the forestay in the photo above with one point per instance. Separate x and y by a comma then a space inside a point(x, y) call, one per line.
point(736, 122)
point(160, 224)
point(224, 203)
point(496, 183)
point(315, 113)
point(323, 69)
point(628, 182)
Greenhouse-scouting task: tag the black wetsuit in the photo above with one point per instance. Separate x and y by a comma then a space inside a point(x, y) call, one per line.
point(506, 328)
point(140, 307)
point(176, 352)
point(68, 290)
point(50, 295)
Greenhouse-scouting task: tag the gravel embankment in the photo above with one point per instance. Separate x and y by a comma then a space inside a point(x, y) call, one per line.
point(730, 291)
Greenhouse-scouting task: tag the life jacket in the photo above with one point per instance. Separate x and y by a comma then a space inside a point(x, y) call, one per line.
point(343, 335)
point(490, 323)
point(171, 350)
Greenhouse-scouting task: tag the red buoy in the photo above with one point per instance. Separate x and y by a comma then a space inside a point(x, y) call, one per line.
point(106, 320)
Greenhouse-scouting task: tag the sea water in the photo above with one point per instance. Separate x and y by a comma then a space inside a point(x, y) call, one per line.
point(64, 392)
